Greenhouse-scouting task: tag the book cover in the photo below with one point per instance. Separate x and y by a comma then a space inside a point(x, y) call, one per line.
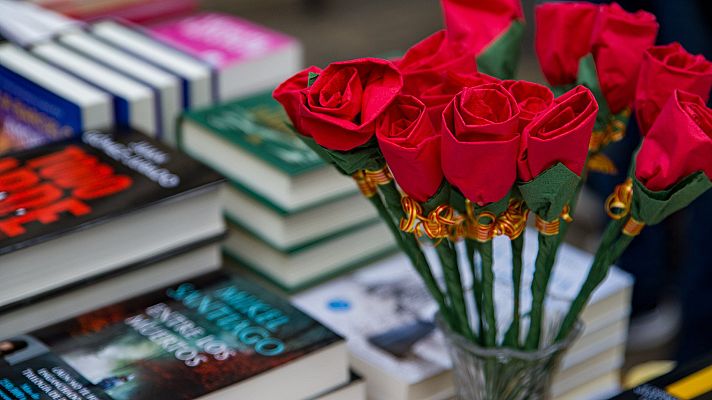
point(187, 340)
point(692, 381)
point(31, 115)
point(256, 125)
point(221, 40)
point(66, 186)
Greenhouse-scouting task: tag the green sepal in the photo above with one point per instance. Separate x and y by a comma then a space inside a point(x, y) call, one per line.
point(367, 156)
point(441, 196)
point(588, 76)
point(547, 194)
point(652, 207)
point(457, 200)
point(312, 78)
point(501, 57)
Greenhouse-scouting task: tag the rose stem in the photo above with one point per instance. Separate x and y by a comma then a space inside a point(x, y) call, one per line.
point(511, 338)
point(453, 281)
point(471, 247)
point(490, 332)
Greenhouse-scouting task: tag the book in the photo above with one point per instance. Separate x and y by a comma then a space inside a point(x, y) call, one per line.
point(386, 314)
point(290, 231)
point(692, 381)
point(211, 337)
point(134, 103)
point(25, 23)
point(249, 58)
point(355, 389)
point(196, 76)
point(132, 280)
point(312, 264)
point(138, 11)
point(166, 86)
point(40, 104)
point(77, 209)
point(249, 142)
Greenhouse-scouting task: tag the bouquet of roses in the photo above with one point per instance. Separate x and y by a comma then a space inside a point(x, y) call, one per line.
point(448, 154)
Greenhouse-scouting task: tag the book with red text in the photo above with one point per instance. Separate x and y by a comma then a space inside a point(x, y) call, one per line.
point(75, 210)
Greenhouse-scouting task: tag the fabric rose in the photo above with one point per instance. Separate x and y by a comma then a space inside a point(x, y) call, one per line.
point(480, 141)
point(619, 42)
point(339, 110)
point(288, 93)
point(563, 36)
point(560, 134)
point(665, 69)
point(531, 98)
point(426, 63)
point(436, 97)
point(678, 144)
point(477, 23)
point(411, 147)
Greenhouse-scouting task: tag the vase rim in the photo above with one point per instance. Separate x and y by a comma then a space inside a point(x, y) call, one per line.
point(509, 352)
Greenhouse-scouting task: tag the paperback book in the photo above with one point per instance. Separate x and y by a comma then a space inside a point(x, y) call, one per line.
point(209, 337)
point(81, 208)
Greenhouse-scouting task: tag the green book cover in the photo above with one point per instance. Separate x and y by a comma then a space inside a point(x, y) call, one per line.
point(258, 126)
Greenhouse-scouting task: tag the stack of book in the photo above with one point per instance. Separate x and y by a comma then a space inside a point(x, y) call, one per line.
point(138, 11)
point(293, 219)
point(209, 337)
point(386, 315)
point(111, 74)
point(99, 218)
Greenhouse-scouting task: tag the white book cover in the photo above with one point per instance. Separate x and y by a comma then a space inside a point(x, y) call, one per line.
point(389, 298)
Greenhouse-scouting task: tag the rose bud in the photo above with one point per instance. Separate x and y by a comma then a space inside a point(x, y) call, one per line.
point(531, 98)
point(480, 141)
point(559, 135)
point(288, 93)
point(430, 60)
point(678, 144)
point(476, 23)
point(438, 96)
point(619, 42)
point(562, 38)
point(411, 147)
point(339, 110)
point(664, 69)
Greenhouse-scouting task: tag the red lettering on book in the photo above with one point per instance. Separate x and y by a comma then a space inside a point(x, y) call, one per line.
point(29, 199)
point(18, 179)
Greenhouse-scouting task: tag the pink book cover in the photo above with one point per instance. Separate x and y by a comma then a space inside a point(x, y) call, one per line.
point(219, 39)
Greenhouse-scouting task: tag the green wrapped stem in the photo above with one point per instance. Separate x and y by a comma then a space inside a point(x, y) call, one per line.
point(543, 267)
point(490, 329)
point(511, 338)
point(453, 283)
point(471, 248)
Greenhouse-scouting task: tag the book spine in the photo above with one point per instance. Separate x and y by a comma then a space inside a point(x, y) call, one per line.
point(31, 115)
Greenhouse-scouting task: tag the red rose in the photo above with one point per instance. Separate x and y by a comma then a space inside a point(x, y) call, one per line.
point(619, 41)
point(436, 97)
point(426, 63)
point(480, 142)
point(288, 93)
point(560, 134)
point(678, 144)
point(665, 69)
point(476, 23)
point(531, 98)
point(411, 147)
point(339, 110)
point(562, 38)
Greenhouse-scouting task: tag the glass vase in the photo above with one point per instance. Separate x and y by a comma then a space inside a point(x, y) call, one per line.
point(503, 373)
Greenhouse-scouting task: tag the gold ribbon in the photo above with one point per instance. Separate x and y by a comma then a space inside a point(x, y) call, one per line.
point(441, 223)
point(552, 228)
point(613, 132)
point(368, 181)
point(600, 162)
point(513, 221)
point(618, 206)
point(618, 203)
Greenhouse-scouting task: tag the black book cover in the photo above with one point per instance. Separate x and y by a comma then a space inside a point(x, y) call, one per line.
point(55, 189)
point(182, 342)
point(688, 382)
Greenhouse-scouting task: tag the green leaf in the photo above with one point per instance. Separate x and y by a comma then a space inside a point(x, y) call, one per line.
point(442, 196)
point(363, 157)
point(588, 76)
point(501, 57)
point(547, 194)
point(653, 207)
point(312, 78)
